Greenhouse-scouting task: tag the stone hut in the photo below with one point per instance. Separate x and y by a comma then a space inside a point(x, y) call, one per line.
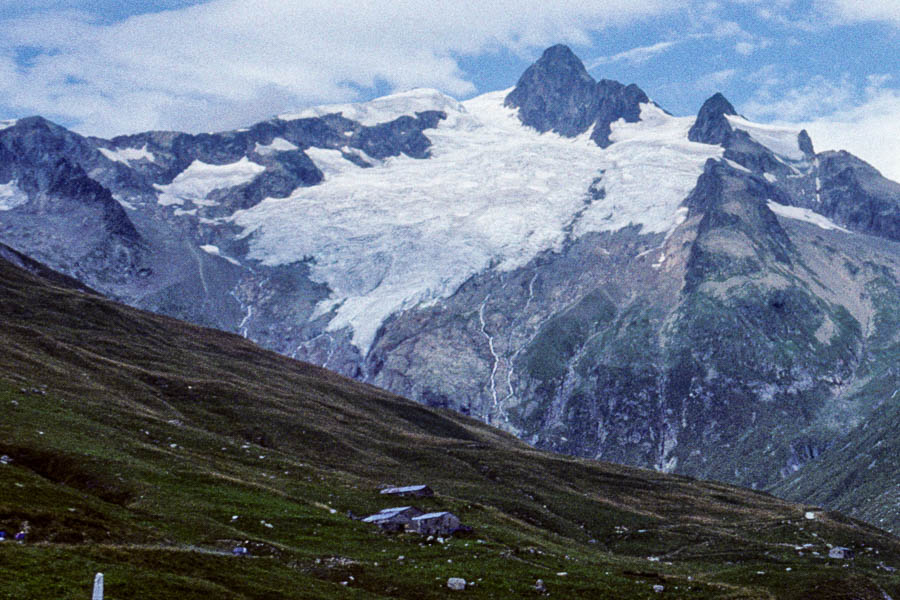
point(395, 519)
point(436, 523)
point(418, 491)
point(840, 552)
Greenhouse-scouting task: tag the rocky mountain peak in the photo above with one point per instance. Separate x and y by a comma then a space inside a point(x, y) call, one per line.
point(559, 60)
point(557, 94)
point(805, 142)
point(711, 126)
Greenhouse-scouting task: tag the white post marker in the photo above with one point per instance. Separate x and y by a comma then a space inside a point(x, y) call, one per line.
point(98, 587)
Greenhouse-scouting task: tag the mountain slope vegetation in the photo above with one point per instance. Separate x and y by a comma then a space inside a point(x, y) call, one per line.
point(147, 448)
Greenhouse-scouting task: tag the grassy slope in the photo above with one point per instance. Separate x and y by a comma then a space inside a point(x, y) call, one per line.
point(136, 439)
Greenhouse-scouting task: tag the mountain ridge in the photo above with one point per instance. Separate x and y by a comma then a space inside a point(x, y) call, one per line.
point(570, 292)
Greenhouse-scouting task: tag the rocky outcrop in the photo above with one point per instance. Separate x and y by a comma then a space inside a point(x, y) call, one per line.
point(854, 194)
point(711, 126)
point(557, 94)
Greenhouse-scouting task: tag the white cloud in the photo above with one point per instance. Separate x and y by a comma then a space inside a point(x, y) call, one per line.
point(863, 10)
point(227, 62)
point(713, 82)
point(870, 130)
point(747, 43)
point(819, 96)
point(747, 48)
point(839, 116)
point(634, 56)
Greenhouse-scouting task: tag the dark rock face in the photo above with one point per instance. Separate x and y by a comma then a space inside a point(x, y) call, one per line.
point(747, 152)
point(69, 182)
point(857, 196)
point(616, 101)
point(34, 267)
point(711, 126)
point(805, 143)
point(557, 94)
point(69, 219)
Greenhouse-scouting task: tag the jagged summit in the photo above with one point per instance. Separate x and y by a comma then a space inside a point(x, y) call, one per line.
point(557, 94)
point(805, 142)
point(711, 126)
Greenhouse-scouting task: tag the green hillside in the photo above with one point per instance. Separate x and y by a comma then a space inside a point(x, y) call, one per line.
point(146, 449)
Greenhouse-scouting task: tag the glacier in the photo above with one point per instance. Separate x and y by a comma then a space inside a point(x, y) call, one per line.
point(493, 194)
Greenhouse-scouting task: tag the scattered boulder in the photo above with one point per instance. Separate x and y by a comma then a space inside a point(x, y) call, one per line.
point(659, 588)
point(539, 586)
point(456, 584)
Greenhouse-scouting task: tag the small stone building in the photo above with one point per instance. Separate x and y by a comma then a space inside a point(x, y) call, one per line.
point(840, 552)
point(395, 519)
point(436, 523)
point(418, 491)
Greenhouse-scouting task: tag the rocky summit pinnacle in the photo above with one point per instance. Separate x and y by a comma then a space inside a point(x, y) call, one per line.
point(711, 126)
point(557, 94)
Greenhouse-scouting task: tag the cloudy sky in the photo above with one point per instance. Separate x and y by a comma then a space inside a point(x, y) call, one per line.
point(106, 67)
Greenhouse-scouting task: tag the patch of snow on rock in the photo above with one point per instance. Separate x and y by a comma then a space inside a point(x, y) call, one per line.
point(784, 141)
point(804, 214)
point(11, 196)
point(737, 166)
point(278, 145)
point(493, 194)
point(331, 162)
point(214, 250)
point(125, 203)
point(200, 179)
point(126, 155)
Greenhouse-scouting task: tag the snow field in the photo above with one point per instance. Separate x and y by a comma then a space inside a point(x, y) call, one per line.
point(200, 179)
point(804, 214)
point(126, 155)
point(780, 140)
point(493, 194)
point(11, 196)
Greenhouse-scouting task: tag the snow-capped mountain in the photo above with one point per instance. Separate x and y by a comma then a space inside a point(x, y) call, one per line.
point(563, 259)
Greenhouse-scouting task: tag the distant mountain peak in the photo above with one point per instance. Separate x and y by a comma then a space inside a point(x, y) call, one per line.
point(560, 59)
point(805, 143)
point(557, 94)
point(718, 103)
point(711, 126)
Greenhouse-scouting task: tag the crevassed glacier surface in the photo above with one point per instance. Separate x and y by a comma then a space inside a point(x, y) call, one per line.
point(494, 193)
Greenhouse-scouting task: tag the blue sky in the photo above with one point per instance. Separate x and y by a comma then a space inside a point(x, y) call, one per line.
point(107, 67)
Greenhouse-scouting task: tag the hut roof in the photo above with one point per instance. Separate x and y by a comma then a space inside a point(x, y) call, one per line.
point(387, 513)
point(432, 515)
point(404, 490)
